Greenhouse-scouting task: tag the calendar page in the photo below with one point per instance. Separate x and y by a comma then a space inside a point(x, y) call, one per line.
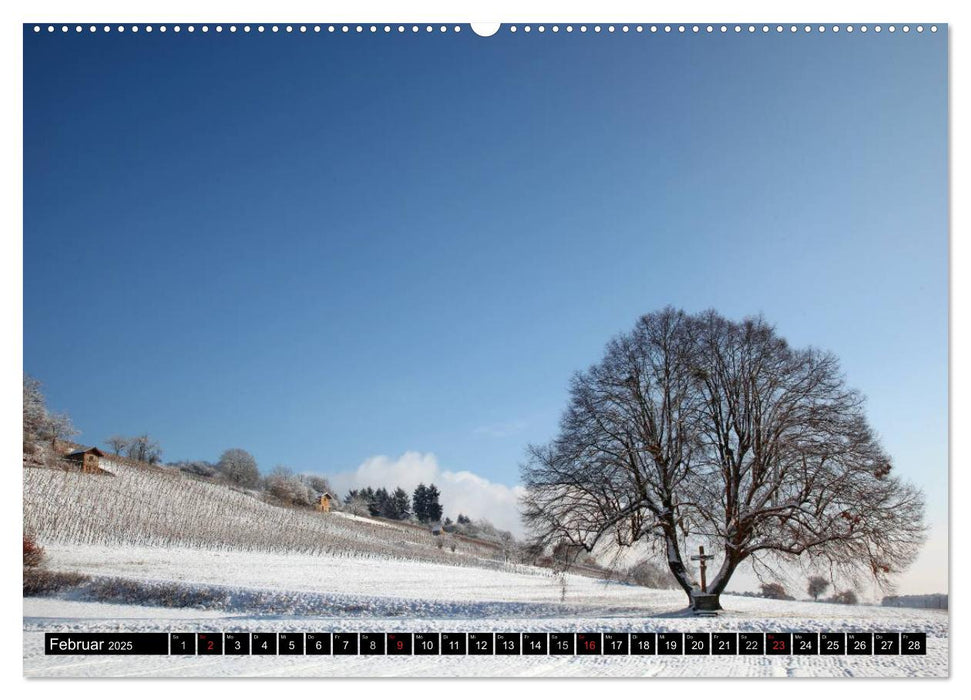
point(428, 348)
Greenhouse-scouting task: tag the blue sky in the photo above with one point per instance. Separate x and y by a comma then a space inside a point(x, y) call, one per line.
point(326, 248)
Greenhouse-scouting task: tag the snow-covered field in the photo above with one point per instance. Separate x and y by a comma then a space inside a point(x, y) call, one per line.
point(261, 591)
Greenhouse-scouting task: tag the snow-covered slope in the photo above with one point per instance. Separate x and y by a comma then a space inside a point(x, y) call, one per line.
point(159, 508)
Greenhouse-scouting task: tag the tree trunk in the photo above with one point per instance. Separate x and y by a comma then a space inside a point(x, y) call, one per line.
point(676, 564)
point(712, 600)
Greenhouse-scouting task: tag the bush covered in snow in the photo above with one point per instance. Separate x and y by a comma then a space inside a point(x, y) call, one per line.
point(775, 591)
point(650, 575)
point(845, 598)
point(33, 552)
point(38, 581)
point(286, 487)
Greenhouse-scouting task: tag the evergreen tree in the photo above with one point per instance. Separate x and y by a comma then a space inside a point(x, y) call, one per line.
point(366, 496)
point(433, 509)
point(419, 503)
point(399, 504)
point(381, 505)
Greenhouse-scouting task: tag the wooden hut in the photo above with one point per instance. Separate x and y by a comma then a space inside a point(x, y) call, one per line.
point(323, 503)
point(88, 459)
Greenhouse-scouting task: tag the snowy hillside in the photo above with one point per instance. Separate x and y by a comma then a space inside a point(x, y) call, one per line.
point(160, 508)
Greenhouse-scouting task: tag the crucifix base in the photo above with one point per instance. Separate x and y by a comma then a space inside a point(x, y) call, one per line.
point(705, 602)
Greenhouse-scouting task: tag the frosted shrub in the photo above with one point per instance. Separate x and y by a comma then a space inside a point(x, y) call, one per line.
point(33, 553)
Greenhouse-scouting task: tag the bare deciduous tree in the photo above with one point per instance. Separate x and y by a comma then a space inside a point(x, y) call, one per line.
point(43, 429)
point(319, 484)
point(144, 449)
point(34, 409)
point(696, 429)
point(239, 467)
point(57, 427)
point(817, 586)
point(117, 444)
point(287, 487)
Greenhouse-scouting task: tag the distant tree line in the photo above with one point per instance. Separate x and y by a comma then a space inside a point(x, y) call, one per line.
point(464, 525)
point(238, 468)
point(380, 503)
point(929, 600)
point(817, 585)
point(423, 505)
point(141, 448)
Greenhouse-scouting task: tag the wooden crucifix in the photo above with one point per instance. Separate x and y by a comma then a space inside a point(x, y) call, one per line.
point(701, 558)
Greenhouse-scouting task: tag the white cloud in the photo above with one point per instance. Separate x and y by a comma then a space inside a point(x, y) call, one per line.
point(462, 491)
